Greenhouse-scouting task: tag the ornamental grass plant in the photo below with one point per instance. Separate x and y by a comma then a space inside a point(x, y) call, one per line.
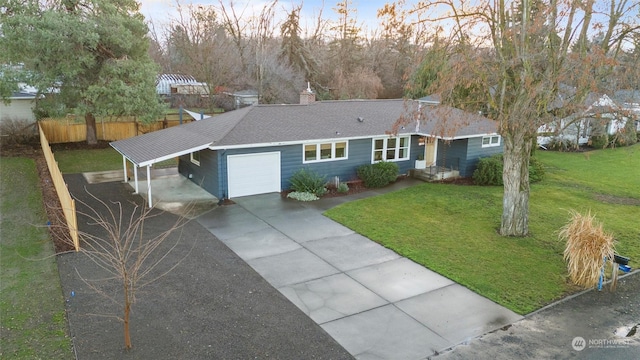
point(587, 247)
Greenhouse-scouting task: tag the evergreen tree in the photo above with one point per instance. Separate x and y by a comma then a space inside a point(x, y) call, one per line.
point(88, 56)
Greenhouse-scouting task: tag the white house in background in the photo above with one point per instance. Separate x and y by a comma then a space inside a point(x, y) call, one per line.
point(577, 128)
point(20, 107)
point(171, 84)
point(629, 100)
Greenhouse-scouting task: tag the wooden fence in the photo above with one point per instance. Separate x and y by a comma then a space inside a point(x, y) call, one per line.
point(68, 204)
point(74, 129)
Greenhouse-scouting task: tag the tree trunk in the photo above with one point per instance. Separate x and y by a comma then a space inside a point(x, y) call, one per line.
point(515, 201)
point(127, 310)
point(90, 120)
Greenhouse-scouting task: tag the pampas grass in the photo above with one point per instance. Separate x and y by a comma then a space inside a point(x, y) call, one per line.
point(587, 246)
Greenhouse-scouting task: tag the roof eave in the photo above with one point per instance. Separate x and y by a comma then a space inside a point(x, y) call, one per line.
point(162, 158)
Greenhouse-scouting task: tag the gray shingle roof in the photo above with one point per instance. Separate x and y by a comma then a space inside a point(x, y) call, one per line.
point(23, 95)
point(276, 124)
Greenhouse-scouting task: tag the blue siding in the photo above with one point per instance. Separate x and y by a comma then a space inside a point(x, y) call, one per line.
point(205, 174)
point(475, 151)
point(359, 153)
point(453, 154)
point(414, 151)
point(464, 154)
point(212, 172)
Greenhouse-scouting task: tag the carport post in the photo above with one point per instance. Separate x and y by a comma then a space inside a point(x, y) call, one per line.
point(124, 166)
point(135, 177)
point(149, 184)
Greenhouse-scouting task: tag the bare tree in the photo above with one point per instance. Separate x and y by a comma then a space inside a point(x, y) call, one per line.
point(198, 44)
point(280, 81)
point(361, 83)
point(116, 240)
point(249, 33)
point(511, 59)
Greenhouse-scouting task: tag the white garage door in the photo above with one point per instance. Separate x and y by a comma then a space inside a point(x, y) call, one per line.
point(251, 174)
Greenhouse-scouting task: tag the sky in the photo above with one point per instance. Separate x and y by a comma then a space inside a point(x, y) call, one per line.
point(161, 11)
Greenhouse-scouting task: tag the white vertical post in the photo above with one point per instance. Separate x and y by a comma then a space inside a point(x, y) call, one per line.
point(124, 166)
point(135, 177)
point(435, 151)
point(149, 184)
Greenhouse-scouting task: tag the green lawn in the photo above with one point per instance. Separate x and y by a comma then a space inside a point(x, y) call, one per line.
point(32, 315)
point(452, 229)
point(78, 161)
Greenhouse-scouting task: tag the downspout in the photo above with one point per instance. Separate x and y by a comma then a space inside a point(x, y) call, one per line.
point(223, 188)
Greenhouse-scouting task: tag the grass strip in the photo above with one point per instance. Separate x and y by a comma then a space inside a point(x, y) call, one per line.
point(32, 315)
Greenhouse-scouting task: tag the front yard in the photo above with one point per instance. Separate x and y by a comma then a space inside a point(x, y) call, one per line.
point(452, 229)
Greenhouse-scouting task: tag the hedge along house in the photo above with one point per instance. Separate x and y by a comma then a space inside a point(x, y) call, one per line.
point(257, 149)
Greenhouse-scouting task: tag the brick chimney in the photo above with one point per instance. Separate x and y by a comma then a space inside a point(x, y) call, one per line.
point(307, 96)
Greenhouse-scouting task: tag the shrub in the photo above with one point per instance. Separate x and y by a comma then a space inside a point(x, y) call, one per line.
point(489, 171)
point(627, 136)
point(536, 170)
point(343, 188)
point(378, 174)
point(599, 141)
point(308, 181)
point(561, 144)
point(302, 196)
point(18, 131)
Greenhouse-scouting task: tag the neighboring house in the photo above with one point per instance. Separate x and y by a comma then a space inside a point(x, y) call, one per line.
point(257, 149)
point(629, 101)
point(579, 127)
point(171, 84)
point(20, 107)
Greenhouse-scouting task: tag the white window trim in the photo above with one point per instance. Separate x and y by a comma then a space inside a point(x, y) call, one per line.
point(491, 143)
point(333, 152)
point(384, 149)
point(193, 160)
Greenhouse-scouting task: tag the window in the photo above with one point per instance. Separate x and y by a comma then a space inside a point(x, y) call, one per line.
point(488, 141)
point(325, 152)
point(391, 149)
point(195, 157)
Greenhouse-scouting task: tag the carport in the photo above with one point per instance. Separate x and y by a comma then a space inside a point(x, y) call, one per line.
point(151, 148)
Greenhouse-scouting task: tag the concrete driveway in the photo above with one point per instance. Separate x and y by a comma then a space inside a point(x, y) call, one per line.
point(375, 303)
